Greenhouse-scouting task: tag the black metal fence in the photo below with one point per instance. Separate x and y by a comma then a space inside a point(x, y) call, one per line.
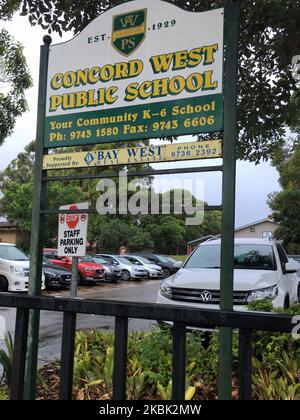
point(181, 317)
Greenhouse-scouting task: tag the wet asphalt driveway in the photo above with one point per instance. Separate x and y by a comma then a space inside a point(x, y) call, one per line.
point(51, 322)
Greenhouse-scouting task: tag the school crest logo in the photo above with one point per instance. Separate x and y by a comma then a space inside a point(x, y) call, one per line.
point(129, 31)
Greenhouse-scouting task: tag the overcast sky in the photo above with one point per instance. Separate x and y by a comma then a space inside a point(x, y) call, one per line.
point(254, 183)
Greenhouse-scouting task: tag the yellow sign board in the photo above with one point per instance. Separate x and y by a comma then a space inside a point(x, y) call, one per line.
point(132, 155)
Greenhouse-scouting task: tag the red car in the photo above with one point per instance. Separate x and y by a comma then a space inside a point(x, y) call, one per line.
point(88, 272)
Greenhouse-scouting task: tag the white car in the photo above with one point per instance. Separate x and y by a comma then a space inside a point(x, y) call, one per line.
point(262, 270)
point(14, 269)
point(129, 270)
point(154, 270)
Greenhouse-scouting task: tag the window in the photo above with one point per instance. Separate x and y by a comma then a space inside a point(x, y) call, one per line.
point(12, 253)
point(251, 257)
point(267, 235)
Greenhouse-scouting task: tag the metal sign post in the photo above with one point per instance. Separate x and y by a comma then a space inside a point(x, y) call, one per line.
point(228, 193)
point(37, 228)
point(74, 280)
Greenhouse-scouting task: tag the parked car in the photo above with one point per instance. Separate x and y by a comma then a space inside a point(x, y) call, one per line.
point(154, 270)
point(167, 266)
point(261, 271)
point(56, 277)
point(129, 271)
point(112, 273)
point(176, 263)
point(88, 272)
point(14, 269)
point(295, 258)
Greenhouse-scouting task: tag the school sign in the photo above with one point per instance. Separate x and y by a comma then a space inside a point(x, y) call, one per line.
point(142, 69)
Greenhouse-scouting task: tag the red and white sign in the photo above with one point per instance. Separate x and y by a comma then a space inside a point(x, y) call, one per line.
point(72, 231)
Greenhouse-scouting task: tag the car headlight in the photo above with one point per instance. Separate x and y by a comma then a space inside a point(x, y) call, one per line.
point(19, 271)
point(260, 294)
point(166, 290)
point(52, 275)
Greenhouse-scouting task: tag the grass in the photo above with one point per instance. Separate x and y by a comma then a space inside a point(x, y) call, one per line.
point(178, 257)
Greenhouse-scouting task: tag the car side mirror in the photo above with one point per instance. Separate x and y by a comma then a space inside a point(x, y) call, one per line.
point(178, 265)
point(290, 268)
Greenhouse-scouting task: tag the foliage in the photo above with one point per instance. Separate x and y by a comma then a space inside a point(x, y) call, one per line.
point(276, 364)
point(269, 38)
point(6, 358)
point(282, 382)
point(264, 305)
point(8, 8)
point(14, 80)
point(17, 188)
point(164, 233)
point(286, 203)
point(269, 347)
point(3, 393)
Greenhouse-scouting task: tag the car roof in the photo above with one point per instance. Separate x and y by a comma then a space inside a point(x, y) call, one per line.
point(7, 244)
point(106, 255)
point(242, 241)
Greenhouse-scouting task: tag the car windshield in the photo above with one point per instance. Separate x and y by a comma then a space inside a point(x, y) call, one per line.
point(295, 257)
point(126, 260)
point(145, 260)
point(169, 259)
point(12, 253)
point(163, 259)
point(246, 256)
point(100, 260)
point(47, 262)
point(87, 258)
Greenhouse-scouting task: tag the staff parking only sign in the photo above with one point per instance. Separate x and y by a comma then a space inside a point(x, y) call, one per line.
point(72, 231)
point(142, 69)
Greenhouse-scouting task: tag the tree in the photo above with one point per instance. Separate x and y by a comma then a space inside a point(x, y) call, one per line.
point(16, 185)
point(286, 204)
point(269, 38)
point(109, 232)
point(14, 80)
point(165, 233)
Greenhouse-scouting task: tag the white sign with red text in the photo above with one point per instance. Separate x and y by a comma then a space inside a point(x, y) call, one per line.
point(72, 231)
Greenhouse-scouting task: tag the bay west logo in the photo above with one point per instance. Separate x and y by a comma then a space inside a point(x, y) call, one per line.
point(89, 158)
point(129, 31)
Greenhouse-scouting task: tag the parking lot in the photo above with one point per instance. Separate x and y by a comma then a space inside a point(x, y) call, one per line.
point(51, 322)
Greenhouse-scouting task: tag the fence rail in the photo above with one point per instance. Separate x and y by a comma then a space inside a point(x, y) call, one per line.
point(180, 316)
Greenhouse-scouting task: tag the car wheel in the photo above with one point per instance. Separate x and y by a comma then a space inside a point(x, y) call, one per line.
point(3, 284)
point(286, 303)
point(167, 273)
point(125, 275)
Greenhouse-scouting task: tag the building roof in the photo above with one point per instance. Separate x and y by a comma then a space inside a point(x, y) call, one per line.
point(256, 223)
